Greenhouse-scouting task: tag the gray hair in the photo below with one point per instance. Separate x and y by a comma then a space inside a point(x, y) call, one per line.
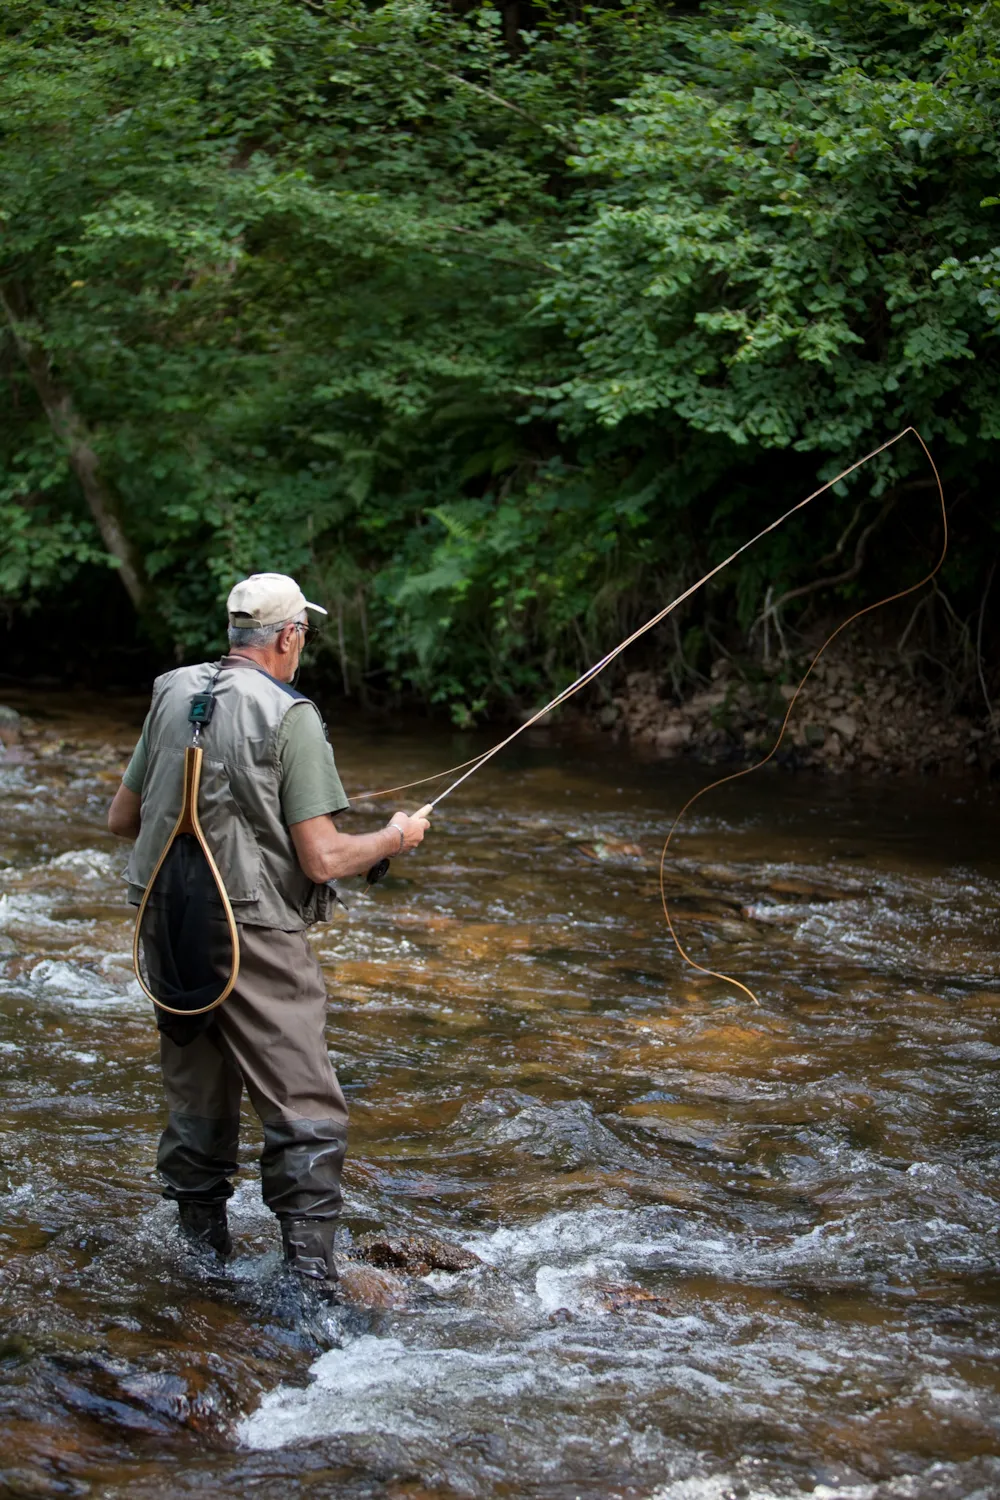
point(261, 636)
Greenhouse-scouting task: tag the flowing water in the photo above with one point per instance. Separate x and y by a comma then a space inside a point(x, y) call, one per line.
point(725, 1251)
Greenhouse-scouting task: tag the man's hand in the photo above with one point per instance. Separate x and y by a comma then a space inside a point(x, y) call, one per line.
point(412, 826)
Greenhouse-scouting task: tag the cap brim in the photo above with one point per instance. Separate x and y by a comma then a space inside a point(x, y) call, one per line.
point(317, 607)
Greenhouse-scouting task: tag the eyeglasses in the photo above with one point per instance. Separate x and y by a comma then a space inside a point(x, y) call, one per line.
point(302, 628)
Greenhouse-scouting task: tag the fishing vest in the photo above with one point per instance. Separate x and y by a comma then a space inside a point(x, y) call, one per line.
point(238, 803)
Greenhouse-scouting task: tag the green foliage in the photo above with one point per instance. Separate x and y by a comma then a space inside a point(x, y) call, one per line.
point(492, 343)
point(762, 261)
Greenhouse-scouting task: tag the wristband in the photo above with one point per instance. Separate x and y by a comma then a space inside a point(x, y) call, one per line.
point(402, 837)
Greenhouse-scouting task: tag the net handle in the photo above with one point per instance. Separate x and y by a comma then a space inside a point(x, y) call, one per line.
point(189, 822)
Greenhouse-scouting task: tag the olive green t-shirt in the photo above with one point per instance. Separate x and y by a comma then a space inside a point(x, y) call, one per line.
point(310, 785)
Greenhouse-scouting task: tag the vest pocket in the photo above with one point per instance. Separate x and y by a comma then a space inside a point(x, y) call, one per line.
point(230, 836)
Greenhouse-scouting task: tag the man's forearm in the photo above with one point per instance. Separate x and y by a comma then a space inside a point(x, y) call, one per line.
point(124, 814)
point(360, 851)
point(327, 854)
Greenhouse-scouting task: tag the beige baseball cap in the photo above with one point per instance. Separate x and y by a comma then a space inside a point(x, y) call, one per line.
point(267, 599)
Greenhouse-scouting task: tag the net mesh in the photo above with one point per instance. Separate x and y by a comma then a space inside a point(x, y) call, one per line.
point(185, 944)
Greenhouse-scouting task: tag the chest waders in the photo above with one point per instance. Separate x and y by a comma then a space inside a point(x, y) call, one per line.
point(186, 950)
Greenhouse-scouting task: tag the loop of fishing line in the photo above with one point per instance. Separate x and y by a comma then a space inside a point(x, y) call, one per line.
point(469, 767)
point(746, 770)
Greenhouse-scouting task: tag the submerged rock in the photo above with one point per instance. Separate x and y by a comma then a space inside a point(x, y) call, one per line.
point(630, 1297)
point(611, 849)
point(376, 1271)
point(369, 1286)
point(416, 1254)
point(33, 1482)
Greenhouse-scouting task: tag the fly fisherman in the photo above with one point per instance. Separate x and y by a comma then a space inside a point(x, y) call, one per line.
point(269, 795)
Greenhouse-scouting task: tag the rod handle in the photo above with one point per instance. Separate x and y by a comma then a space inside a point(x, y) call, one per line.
point(425, 811)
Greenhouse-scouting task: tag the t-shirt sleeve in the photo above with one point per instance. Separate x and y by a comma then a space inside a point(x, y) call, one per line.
point(310, 785)
point(135, 771)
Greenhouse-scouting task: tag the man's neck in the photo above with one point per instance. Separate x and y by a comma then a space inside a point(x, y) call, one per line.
point(274, 665)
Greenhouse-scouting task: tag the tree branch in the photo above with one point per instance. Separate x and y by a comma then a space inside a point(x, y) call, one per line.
point(516, 109)
point(849, 573)
point(72, 431)
point(920, 605)
point(979, 641)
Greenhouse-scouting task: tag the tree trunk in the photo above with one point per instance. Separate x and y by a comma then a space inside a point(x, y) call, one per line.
point(72, 431)
point(511, 11)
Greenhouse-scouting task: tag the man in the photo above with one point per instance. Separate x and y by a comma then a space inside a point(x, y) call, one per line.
point(269, 795)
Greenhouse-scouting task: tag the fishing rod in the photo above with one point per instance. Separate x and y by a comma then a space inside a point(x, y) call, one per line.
point(470, 767)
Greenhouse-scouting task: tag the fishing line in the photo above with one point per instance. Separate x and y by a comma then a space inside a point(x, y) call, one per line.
point(746, 770)
point(469, 767)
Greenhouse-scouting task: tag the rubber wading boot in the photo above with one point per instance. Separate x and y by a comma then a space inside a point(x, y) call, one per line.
point(308, 1248)
point(205, 1226)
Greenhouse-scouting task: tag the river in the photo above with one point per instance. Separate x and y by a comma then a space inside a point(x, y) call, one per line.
point(727, 1252)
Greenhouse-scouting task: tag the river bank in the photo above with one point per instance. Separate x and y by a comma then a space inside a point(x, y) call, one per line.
point(863, 711)
point(860, 710)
